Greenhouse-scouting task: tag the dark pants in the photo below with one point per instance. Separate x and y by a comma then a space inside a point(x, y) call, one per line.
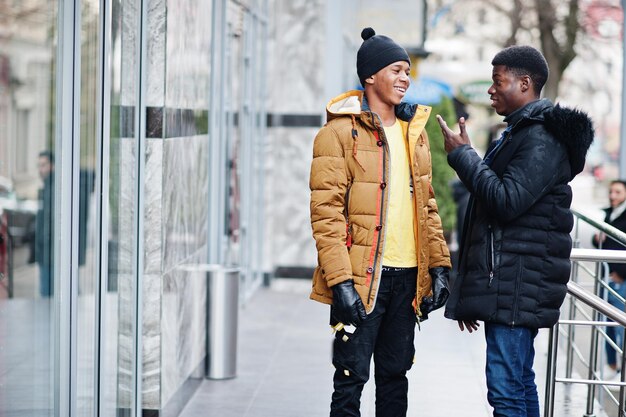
point(388, 334)
point(511, 388)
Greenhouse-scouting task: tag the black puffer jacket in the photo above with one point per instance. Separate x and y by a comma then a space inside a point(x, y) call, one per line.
point(514, 260)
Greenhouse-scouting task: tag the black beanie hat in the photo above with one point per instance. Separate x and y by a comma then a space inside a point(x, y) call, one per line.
point(376, 52)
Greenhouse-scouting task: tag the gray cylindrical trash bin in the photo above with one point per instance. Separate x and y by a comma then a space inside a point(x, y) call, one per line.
point(222, 321)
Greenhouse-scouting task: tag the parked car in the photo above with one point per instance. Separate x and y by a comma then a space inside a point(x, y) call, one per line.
point(20, 213)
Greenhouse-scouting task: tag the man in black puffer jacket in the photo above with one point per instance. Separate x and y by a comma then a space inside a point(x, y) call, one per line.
point(514, 257)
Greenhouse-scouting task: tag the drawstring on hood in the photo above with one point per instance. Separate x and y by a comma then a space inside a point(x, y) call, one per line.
point(355, 138)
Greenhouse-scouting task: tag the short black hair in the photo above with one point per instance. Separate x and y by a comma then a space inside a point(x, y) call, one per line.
point(47, 154)
point(524, 60)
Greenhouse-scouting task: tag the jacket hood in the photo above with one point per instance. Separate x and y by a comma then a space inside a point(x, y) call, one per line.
point(575, 130)
point(571, 127)
point(346, 104)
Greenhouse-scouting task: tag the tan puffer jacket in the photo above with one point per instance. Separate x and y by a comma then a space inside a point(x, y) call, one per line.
point(349, 176)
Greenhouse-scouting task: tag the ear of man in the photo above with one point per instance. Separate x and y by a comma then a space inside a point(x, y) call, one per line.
point(526, 83)
point(528, 86)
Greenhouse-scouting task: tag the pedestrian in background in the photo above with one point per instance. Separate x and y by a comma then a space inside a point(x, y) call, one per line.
point(383, 260)
point(44, 250)
point(615, 215)
point(514, 256)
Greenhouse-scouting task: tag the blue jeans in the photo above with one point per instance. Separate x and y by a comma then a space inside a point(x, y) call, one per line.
point(615, 333)
point(511, 388)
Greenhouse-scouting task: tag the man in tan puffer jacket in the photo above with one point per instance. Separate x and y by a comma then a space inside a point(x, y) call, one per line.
point(382, 258)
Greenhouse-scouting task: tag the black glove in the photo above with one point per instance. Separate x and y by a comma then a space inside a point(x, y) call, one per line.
point(440, 276)
point(347, 305)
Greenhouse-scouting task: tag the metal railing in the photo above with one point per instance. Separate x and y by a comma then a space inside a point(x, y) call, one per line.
point(586, 307)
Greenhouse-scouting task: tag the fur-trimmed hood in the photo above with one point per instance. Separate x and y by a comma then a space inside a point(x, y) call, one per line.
point(572, 127)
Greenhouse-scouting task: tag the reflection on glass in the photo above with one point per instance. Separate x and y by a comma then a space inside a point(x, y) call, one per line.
point(28, 39)
point(88, 256)
point(232, 105)
point(44, 250)
point(117, 350)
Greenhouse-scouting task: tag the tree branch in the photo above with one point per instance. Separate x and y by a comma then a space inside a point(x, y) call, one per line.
point(572, 26)
point(515, 16)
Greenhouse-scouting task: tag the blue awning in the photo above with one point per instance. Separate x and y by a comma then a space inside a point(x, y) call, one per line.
point(427, 90)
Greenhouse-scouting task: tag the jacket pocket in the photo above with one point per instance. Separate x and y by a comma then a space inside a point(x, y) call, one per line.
point(490, 257)
point(349, 349)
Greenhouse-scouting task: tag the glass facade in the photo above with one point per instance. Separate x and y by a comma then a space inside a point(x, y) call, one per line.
point(86, 290)
point(130, 138)
point(118, 335)
point(29, 193)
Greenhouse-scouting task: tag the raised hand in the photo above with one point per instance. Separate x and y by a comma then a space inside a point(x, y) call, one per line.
point(453, 140)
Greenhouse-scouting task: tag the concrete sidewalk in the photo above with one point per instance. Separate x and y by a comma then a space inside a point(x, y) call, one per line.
point(284, 366)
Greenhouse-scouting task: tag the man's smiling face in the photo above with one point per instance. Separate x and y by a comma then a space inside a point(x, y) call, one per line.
point(390, 83)
point(506, 90)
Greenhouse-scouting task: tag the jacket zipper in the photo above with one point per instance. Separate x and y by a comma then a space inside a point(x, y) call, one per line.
point(380, 216)
point(346, 215)
point(490, 257)
point(418, 312)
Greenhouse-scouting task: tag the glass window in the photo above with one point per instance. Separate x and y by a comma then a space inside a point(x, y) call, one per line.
point(27, 234)
point(88, 207)
point(119, 300)
point(232, 106)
